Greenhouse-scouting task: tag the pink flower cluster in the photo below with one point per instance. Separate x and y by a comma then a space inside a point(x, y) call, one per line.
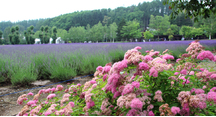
point(205, 55)
point(21, 99)
point(158, 96)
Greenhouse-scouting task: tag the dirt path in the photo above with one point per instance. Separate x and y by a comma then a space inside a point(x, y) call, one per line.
point(8, 104)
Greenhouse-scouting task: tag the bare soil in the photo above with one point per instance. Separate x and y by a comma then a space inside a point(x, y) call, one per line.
point(8, 103)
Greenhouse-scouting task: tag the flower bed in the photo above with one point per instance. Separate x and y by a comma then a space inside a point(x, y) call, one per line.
point(156, 87)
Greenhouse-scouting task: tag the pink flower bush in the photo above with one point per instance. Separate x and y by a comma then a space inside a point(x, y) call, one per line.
point(153, 72)
point(143, 66)
point(167, 56)
point(148, 58)
point(21, 99)
point(206, 55)
point(213, 89)
point(92, 81)
point(136, 84)
point(59, 88)
point(211, 96)
point(50, 96)
point(151, 113)
point(30, 93)
point(138, 48)
point(136, 104)
point(176, 73)
point(128, 89)
point(175, 110)
point(184, 72)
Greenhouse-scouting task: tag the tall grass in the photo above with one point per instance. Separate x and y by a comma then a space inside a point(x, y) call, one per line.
point(21, 67)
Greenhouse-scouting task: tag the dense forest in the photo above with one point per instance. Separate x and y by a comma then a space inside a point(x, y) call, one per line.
point(103, 25)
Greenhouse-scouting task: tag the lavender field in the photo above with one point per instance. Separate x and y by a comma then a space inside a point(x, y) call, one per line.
point(22, 64)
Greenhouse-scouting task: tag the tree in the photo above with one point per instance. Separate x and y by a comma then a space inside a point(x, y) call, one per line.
point(29, 35)
point(196, 32)
point(131, 30)
point(6, 35)
point(185, 31)
point(192, 8)
point(88, 32)
point(120, 26)
point(209, 25)
point(54, 32)
point(63, 34)
point(159, 24)
point(169, 33)
point(97, 34)
point(113, 28)
point(14, 36)
point(41, 35)
point(148, 35)
point(47, 35)
point(175, 29)
point(1, 37)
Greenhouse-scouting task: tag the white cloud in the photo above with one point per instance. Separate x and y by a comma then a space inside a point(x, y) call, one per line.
point(18, 10)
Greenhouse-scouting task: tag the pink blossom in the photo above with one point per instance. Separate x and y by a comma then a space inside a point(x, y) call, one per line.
point(147, 51)
point(92, 81)
point(176, 73)
point(213, 89)
point(50, 96)
point(105, 77)
point(185, 110)
point(184, 72)
point(153, 72)
point(191, 73)
point(202, 105)
point(167, 56)
point(47, 113)
point(136, 84)
point(158, 92)
point(175, 110)
point(47, 90)
point(128, 89)
point(53, 89)
point(143, 66)
point(213, 76)
point(78, 84)
point(132, 112)
point(204, 87)
point(148, 58)
point(31, 103)
point(41, 91)
point(136, 103)
point(206, 55)
point(106, 69)
point(215, 58)
point(151, 113)
point(177, 60)
point(21, 99)
point(199, 91)
point(211, 96)
point(59, 88)
point(71, 104)
point(138, 48)
point(99, 68)
point(90, 104)
point(117, 93)
point(94, 86)
point(30, 93)
point(192, 90)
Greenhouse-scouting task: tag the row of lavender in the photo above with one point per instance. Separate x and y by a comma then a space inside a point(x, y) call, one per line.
point(21, 64)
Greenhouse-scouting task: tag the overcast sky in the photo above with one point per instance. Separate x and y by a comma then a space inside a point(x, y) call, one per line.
point(19, 10)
